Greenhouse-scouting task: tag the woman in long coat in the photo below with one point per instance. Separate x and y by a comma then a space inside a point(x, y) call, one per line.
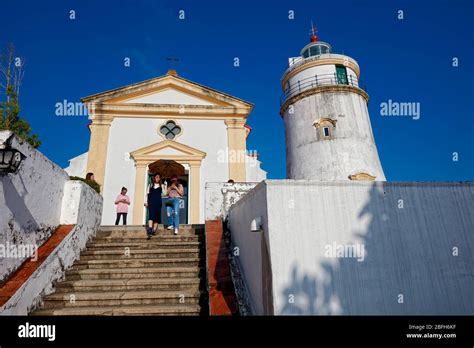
point(154, 205)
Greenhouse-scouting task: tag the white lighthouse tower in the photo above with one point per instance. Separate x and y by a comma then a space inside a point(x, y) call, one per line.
point(327, 124)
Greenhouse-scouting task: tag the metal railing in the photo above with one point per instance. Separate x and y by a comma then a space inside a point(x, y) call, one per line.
point(316, 81)
point(299, 61)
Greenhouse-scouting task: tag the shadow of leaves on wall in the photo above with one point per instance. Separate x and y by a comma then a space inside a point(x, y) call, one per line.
point(330, 288)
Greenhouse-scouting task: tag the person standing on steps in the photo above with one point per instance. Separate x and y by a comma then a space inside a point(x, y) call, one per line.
point(154, 205)
point(175, 193)
point(122, 202)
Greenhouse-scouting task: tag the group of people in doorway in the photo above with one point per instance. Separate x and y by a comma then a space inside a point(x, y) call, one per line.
point(158, 188)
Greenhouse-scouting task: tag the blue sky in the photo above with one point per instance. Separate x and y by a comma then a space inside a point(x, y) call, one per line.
point(407, 60)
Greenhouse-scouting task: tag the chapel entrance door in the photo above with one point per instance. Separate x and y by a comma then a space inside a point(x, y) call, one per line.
point(168, 168)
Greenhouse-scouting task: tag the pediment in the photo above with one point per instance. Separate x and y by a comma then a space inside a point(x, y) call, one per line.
point(167, 149)
point(324, 121)
point(167, 90)
point(168, 95)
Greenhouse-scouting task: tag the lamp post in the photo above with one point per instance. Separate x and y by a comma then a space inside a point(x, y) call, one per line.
point(10, 160)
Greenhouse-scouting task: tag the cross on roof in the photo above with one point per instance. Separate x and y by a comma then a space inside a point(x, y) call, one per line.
point(172, 62)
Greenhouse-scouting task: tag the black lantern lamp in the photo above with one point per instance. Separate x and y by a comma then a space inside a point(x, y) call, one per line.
point(10, 160)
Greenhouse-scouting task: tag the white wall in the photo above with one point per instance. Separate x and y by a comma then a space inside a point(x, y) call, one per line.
point(82, 207)
point(249, 244)
point(30, 201)
point(220, 196)
point(34, 201)
point(408, 251)
point(130, 134)
point(78, 165)
point(254, 172)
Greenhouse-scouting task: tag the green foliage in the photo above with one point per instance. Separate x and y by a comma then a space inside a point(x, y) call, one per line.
point(91, 183)
point(11, 120)
point(11, 75)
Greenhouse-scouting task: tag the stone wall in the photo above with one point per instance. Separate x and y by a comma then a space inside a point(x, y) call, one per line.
point(220, 196)
point(82, 207)
point(34, 201)
point(250, 256)
point(357, 248)
point(30, 201)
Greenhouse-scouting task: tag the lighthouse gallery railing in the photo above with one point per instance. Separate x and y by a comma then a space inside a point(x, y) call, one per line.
point(316, 81)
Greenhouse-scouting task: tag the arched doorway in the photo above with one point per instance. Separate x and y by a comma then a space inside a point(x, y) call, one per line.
point(167, 169)
point(185, 155)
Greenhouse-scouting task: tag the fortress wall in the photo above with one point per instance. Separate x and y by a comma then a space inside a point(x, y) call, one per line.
point(359, 247)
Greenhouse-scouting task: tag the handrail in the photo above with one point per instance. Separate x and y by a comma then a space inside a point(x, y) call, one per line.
point(302, 61)
point(316, 81)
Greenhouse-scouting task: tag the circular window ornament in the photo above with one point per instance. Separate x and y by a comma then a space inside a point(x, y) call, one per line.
point(170, 130)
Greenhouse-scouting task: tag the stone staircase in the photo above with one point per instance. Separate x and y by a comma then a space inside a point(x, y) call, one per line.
point(123, 273)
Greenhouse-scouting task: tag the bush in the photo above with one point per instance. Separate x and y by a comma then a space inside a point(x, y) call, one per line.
point(91, 183)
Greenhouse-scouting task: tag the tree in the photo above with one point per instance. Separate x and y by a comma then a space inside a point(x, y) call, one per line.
point(11, 76)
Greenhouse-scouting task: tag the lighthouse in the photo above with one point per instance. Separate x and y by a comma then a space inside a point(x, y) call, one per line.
point(327, 125)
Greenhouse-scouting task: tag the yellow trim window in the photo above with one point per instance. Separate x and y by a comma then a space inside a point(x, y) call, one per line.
point(325, 127)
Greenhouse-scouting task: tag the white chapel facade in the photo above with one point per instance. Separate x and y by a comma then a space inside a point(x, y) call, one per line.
point(167, 120)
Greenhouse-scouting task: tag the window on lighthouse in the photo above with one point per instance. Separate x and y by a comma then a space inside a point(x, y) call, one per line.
point(341, 75)
point(326, 132)
point(325, 128)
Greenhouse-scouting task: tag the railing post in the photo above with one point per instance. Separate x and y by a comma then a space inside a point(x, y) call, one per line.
point(299, 86)
point(316, 79)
